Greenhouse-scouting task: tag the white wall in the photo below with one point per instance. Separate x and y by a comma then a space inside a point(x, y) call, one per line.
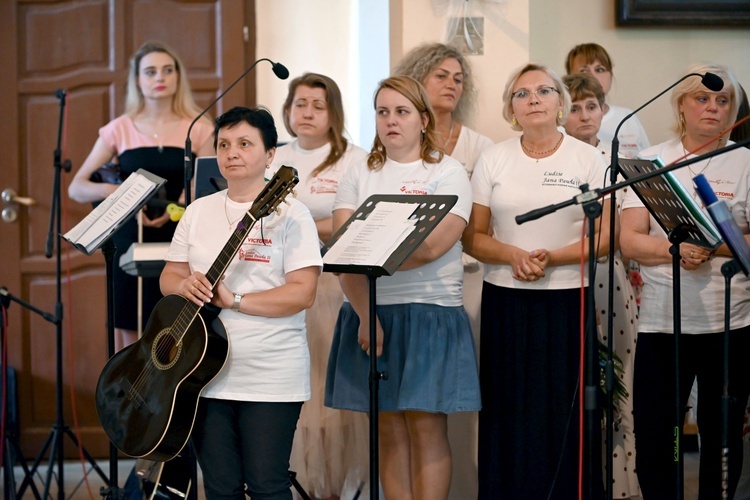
point(318, 36)
point(323, 36)
point(506, 47)
point(646, 61)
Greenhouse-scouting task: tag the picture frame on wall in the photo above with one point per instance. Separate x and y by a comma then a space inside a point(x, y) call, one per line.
point(683, 13)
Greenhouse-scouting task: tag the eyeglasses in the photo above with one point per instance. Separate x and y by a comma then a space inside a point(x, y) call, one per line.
point(541, 93)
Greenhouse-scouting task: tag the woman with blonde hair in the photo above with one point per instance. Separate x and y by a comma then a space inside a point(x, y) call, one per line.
point(701, 115)
point(447, 77)
point(531, 299)
point(424, 337)
point(159, 108)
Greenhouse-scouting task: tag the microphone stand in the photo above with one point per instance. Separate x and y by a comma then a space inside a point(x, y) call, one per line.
point(609, 367)
point(12, 451)
point(278, 69)
point(55, 438)
point(589, 196)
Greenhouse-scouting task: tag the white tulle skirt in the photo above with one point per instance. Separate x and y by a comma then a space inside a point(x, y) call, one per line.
point(330, 451)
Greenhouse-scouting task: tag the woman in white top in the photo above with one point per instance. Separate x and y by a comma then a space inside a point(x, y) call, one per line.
point(531, 298)
point(246, 415)
point(329, 445)
point(593, 58)
point(424, 336)
point(447, 77)
point(700, 117)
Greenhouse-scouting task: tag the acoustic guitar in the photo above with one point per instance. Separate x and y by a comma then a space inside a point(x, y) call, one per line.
point(147, 394)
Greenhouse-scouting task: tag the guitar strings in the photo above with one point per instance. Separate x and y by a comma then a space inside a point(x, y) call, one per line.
point(186, 317)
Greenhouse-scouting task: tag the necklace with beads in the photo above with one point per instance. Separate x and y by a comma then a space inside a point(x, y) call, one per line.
point(542, 153)
point(232, 223)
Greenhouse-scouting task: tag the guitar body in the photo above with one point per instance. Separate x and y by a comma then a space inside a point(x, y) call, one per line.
point(147, 394)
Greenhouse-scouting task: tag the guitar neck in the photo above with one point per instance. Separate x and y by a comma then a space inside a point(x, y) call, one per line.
point(215, 272)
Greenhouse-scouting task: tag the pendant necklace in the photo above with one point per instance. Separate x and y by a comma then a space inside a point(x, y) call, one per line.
point(693, 175)
point(232, 224)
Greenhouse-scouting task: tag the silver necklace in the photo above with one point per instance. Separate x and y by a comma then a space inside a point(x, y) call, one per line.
point(232, 224)
point(450, 133)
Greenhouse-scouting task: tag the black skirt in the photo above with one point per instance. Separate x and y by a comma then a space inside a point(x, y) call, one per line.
point(529, 375)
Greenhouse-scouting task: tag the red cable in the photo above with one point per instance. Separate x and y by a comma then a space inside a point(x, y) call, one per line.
point(69, 295)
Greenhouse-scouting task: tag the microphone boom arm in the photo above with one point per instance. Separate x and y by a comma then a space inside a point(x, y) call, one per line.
point(278, 69)
point(599, 193)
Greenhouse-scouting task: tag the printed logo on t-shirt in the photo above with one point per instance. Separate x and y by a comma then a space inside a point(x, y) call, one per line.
point(259, 241)
point(323, 185)
point(406, 189)
point(254, 255)
point(556, 178)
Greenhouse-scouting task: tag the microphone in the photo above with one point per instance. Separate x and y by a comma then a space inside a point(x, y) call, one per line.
point(709, 80)
point(278, 69)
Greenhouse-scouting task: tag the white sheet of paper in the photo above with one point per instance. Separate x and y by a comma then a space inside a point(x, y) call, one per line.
point(98, 224)
point(371, 241)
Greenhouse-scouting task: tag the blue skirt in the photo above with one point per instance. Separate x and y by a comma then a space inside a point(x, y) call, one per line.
point(428, 356)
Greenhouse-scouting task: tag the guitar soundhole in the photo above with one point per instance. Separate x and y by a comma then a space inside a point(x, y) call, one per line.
point(165, 350)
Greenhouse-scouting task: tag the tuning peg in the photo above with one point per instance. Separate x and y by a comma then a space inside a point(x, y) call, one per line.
point(278, 211)
point(294, 193)
point(285, 202)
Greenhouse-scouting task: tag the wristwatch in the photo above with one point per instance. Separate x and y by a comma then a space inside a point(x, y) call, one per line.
point(237, 300)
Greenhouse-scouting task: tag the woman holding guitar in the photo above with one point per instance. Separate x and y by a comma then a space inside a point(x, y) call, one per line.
point(247, 414)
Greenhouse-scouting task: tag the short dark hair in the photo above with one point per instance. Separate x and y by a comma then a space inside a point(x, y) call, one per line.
point(259, 118)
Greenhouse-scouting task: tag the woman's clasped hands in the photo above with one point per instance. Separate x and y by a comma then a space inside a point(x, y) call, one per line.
point(529, 266)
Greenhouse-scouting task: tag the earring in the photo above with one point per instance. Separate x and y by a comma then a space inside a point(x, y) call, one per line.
point(424, 131)
point(559, 115)
point(268, 166)
point(514, 122)
point(380, 149)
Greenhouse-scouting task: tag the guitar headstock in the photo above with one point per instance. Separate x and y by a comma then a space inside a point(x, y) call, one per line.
point(280, 185)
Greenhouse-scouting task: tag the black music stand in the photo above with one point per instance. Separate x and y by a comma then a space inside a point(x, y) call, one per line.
point(431, 209)
point(740, 250)
point(683, 221)
point(120, 215)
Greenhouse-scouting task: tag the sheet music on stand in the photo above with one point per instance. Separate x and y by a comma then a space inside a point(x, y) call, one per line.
point(114, 211)
point(383, 232)
point(379, 236)
point(670, 204)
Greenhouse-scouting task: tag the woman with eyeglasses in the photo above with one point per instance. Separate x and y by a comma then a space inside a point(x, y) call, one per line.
point(531, 299)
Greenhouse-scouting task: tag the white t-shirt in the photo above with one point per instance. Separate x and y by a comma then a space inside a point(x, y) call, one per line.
point(511, 183)
point(438, 282)
point(702, 290)
point(268, 357)
point(632, 134)
point(318, 192)
point(469, 146)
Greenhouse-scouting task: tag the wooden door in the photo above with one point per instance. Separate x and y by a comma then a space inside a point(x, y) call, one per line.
point(83, 46)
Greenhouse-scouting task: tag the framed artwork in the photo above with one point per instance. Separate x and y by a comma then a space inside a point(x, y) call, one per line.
point(683, 13)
